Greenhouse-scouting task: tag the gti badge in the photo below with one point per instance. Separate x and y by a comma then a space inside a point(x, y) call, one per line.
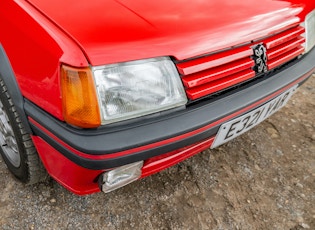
point(260, 58)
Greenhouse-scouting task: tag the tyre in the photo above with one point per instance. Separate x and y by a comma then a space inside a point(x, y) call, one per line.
point(17, 148)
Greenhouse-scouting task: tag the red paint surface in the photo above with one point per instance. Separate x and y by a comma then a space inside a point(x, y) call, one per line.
point(83, 181)
point(158, 163)
point(77, 179)
point(116, 31)
point(35, 48)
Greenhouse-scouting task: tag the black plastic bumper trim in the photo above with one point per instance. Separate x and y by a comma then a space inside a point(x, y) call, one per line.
point(113, 139)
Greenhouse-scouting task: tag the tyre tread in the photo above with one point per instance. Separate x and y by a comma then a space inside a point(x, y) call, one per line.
point(36, 170)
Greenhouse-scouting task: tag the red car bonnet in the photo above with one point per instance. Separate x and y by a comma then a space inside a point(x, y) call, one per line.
point(117, 31)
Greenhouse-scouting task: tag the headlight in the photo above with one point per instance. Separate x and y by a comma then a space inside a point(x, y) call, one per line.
point(310, 31)
point(132, 89)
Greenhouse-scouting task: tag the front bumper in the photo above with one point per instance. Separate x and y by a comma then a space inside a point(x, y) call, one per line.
point(66, 150)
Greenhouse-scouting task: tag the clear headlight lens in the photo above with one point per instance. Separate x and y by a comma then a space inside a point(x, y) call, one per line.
point(137, 88)
point(310, 31)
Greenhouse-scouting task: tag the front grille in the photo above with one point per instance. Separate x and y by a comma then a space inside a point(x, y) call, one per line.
point(285, 46)
point(213, 73)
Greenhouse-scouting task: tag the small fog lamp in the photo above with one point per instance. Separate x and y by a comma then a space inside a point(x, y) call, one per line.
point(120, 176)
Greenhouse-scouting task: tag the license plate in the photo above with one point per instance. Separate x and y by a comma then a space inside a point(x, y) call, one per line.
point(240, 125)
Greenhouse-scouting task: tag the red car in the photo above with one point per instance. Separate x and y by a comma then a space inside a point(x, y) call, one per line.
point(101, 93)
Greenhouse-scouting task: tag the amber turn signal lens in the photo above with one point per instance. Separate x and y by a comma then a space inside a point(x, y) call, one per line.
point(79, 100)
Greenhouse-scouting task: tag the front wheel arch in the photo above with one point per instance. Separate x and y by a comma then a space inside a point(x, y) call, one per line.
point(8, 76)
point(22, 159)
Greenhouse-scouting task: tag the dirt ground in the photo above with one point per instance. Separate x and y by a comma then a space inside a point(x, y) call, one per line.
point(264, 179)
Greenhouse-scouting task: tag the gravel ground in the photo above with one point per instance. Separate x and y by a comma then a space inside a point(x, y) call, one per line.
point(264, 179)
